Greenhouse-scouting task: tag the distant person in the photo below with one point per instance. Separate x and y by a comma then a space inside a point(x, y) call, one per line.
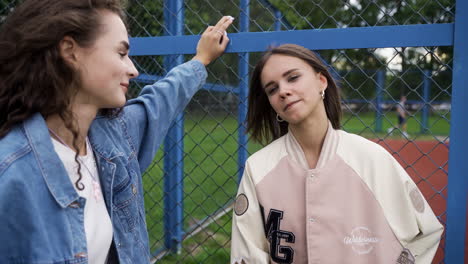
point(402, 115)
point(316, 194)
point(72, 149)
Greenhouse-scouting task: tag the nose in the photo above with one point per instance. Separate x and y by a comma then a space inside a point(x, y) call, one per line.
point(284, 91)
point(132, 71)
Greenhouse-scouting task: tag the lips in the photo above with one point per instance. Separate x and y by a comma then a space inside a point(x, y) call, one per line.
point(125, 85)
point(289, 105)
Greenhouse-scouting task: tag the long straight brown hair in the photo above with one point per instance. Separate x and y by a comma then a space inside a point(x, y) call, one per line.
point(261, 117)
point(34, 78)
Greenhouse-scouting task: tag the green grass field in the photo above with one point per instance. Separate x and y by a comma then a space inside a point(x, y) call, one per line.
point(210, 178)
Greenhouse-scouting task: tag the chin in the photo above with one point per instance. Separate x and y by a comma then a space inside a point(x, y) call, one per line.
point(120, 105)
point(293, 122)
point(116, 104)
point(294, 119)
point(120, 102)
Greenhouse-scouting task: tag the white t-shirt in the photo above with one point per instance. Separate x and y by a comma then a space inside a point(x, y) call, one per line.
point(97, 223)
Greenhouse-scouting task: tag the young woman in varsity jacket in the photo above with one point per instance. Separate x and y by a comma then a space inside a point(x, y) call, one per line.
point(317, 194)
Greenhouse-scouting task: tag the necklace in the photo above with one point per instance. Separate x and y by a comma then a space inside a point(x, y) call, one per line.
point(96, 186)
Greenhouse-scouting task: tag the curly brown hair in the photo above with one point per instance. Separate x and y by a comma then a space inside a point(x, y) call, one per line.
point(34, 78)
point(261, 117)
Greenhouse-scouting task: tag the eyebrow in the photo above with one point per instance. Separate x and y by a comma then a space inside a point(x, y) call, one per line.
point(283, 75)
point(125, 44)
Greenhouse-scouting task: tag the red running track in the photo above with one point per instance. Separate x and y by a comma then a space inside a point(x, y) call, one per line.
point(427, 164)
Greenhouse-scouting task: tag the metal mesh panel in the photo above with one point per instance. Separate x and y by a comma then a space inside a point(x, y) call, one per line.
point(371, 81)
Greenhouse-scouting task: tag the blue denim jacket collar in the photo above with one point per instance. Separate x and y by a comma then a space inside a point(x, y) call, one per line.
point(104, 158)
point(50, 164)
point(100, 145)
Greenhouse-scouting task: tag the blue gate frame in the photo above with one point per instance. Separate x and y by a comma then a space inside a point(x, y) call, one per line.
point(451, 34)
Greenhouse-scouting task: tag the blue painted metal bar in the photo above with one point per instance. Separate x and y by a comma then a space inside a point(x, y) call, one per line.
point(458, 167)
point(314, 39)
point(173, 145)
point(220, 88)
point(149, 79)
point(380, 86)
point(392, 102)
point(242, 152)
point(426, 101)
point(146, 78)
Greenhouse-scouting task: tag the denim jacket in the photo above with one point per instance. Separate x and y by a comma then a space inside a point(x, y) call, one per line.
point(41, 214)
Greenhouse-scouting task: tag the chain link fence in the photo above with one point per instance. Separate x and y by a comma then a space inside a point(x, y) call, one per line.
point(371, 80)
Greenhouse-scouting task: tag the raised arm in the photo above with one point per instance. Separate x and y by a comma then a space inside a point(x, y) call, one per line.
point(152, 112)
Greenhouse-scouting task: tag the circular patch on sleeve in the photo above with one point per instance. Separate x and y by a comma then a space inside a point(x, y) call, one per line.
point(417, 200)
point(405, 257)
point(241, 205)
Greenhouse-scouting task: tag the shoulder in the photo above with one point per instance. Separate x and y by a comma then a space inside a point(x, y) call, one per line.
point(104, 124)
point(373, 163)
point(364, 156)
point(273, 151)
point(263, 161)
point(109, 135)
point(352, 144)
point(105, 128)
point(116, 128)
point(13, 146)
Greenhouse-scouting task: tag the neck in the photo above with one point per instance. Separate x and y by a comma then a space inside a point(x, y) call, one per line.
point(84, 116)
point(310, 135)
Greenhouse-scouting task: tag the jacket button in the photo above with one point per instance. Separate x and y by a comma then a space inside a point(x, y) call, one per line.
point(81, 255)
point(74, 205)
point(134, 189)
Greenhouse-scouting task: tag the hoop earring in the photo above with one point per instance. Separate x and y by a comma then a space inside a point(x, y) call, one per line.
point(279, 119)
point(322, 93)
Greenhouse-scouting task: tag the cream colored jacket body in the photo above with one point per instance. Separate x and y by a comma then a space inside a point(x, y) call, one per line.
point(357, 206)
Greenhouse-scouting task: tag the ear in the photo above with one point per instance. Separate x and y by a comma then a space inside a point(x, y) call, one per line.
point(323, 81)
point(68, 50)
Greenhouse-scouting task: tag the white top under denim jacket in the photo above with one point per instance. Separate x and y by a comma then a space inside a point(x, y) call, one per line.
point(41, 214)
point(97, 222)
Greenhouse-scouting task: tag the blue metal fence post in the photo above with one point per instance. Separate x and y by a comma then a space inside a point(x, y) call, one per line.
point(243, 90)
point(173, 143)
point(280, 20)
point(378, 100)
point(458, 166)
point(426, 98)
point(278, 16)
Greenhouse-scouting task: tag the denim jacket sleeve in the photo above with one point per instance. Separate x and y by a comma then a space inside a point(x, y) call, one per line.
point(149, 116)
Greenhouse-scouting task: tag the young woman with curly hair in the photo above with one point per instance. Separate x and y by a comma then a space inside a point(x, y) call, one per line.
point(72, 149)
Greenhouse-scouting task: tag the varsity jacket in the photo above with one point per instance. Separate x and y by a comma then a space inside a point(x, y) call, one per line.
point(357, 206)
